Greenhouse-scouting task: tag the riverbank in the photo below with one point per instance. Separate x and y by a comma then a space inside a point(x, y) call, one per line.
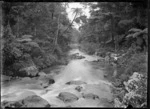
point(78, 94)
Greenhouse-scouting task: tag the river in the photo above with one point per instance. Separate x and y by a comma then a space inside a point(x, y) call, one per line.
point(76, 69)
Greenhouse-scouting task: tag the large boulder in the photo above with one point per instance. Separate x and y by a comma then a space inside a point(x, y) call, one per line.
point(75, 82)
point(90, 96)
point(41, 74)
point(30, 101)
point(67, 97)
point(35, 101)
point(12, 104)
point(46, 81)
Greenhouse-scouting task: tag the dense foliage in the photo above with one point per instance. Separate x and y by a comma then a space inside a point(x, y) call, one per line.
point(116, 25)
point(35, 34)
point(120, 28)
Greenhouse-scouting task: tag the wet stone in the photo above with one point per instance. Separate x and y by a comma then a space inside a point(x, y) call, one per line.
point(67, 97)
point(30, 101)
point(35, 101)
point(79, 88)
point(46, 81)
point(13, 104)
point(90, 96)
point(41, 74)
point(75, 82)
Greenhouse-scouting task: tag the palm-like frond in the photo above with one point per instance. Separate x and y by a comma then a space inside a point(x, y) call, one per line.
point(25, 38)
point(17, 52)
point(77, 10)
point(33, 44)
point(134, 32)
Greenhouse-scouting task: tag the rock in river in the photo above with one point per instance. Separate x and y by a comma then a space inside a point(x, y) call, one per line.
point(90, 96)
point(35, 101)
point(79, 88)
point(46, 81)
point(67, 97)
point(41, 74)
point(30, 101)
point(12, 104)
point(75, 82)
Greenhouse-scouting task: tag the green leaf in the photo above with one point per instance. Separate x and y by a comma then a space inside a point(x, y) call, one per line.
point(24, 40)
point(135, 30)
point(32, 44)
point(26, 36)
point(137, 34)
point(17, 52)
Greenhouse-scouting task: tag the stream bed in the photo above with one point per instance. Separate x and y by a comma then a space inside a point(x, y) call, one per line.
point(79, 77)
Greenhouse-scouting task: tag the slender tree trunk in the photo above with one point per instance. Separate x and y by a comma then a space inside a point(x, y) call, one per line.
point(71, 23)
point(1, 42)
point(57, 33)
point(35, 31)
point(112, 31)
point(112, 28)
point(18, 26)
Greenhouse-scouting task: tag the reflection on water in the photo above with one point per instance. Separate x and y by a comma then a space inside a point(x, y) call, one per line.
point(77, 69)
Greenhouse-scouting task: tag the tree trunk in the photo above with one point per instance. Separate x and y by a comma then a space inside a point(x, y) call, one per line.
point(71, 23)
point(18, 26)
point(57, 33)
point(112, 28)
point(112, 32)
point(35, 31)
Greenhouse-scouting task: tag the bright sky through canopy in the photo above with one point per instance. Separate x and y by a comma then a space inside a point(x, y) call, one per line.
point(76, 5)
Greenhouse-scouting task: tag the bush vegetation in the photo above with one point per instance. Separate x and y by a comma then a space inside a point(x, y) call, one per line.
point(120, 28)
point(35, 34)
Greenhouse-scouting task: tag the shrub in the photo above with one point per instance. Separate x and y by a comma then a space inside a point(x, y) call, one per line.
point(133, 73)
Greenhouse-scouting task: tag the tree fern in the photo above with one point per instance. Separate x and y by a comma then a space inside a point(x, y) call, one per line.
point(24, 40)
point(123, 23)
point(32, 44)
point(26, 36)
point(135, 30)
point(16, 52)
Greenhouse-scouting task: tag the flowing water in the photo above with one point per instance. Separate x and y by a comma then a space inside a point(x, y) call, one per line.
point(77, 69)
